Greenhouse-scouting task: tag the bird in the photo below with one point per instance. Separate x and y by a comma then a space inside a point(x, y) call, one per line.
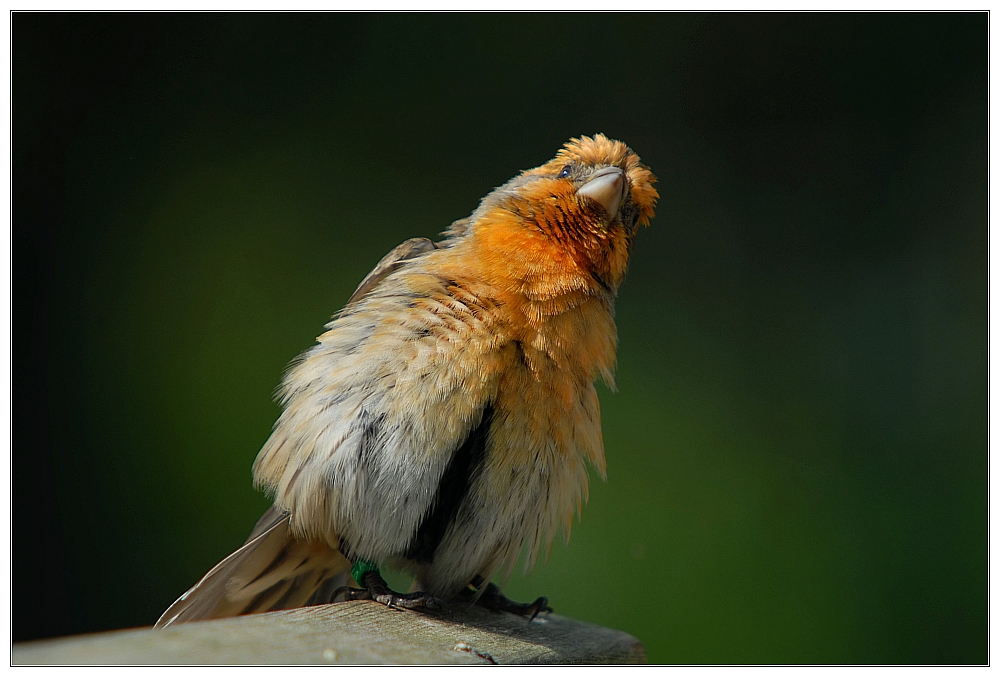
point(443, 423)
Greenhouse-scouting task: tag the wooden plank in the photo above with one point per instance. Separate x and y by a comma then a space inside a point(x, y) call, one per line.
point(360, 632)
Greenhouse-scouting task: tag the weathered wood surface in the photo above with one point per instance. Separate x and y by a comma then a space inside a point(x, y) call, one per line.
point(359, 632)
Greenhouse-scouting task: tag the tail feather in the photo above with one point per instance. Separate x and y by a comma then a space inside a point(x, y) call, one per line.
point(272, 570)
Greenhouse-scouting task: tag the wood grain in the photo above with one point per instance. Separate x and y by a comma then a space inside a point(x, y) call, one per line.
point(347, 633)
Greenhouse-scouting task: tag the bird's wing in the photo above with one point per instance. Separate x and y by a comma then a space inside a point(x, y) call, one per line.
point(390, 262)
point(272, 570)
point(375, 411)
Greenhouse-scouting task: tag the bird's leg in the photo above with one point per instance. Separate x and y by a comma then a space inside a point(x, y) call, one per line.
point(493, 599)
point(375, 588)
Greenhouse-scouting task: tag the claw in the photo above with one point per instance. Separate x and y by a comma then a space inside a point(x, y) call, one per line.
point(493, 599)
point(536, 607)
point(350, 593)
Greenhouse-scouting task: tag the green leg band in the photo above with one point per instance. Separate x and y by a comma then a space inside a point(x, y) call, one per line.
point(360, 568)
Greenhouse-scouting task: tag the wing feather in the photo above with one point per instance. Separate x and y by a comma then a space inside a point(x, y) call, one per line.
point(272, 570)
point(390, 262)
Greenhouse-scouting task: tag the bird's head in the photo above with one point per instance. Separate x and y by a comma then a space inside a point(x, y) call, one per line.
point(600, 180)
point(576, 213)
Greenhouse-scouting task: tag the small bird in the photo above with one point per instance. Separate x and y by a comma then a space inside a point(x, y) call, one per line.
point(443, 423)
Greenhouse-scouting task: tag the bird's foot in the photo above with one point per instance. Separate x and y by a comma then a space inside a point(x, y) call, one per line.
point(493, 599)
point(378, 590)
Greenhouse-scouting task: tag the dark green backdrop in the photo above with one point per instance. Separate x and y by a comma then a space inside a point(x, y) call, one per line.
point(797, 457)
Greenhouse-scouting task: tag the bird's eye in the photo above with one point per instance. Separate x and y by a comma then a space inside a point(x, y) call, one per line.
point(565, 172)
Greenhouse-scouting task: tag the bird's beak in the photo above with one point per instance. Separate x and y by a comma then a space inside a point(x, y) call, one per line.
point(607, 188)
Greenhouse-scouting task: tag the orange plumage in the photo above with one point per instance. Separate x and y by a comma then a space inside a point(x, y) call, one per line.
point(443, 423)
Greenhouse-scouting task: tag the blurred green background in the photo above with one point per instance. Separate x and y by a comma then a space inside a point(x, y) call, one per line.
point(797, 457)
